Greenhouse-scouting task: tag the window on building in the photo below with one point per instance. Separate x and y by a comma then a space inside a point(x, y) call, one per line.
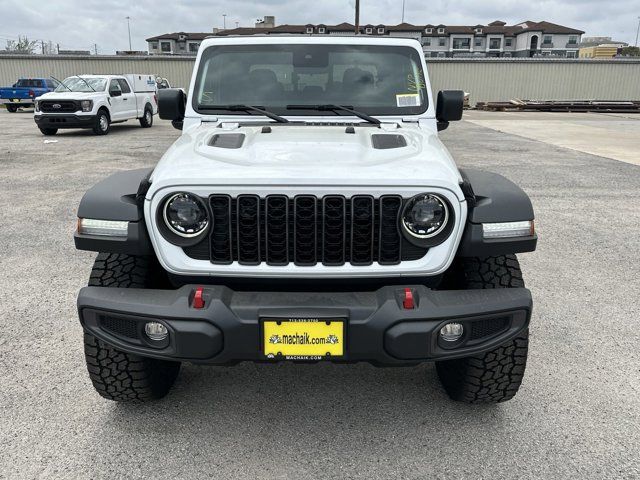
point(442, 42)
point(461, 43)
point(507, 54)
point(573, 40)
point(428, 30)
point(322, 30)
point(478, 42)
point(181, 46)
point(427, 42)
point(193, 47)
point(441, 54)
point(495, 43)
point(547, 39)
point(165, 46)
point(441, 30)
point(154, 45)
point(508, 42)
point(380, 31)
point(309, 29)
point(368, 30)
point(572, 54)
point(478, 30)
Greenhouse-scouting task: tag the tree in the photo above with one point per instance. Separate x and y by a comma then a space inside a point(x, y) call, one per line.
point(23, 45)
point(630, 51)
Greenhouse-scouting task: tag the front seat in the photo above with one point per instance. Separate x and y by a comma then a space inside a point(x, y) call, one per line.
point(263, 87)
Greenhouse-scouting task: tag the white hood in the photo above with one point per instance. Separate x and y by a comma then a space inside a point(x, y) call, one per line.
point(68, 95)
point(300, 155)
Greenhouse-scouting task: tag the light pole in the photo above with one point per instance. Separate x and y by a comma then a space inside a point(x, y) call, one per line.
point(638, 31)
point(357, 17)
point(224, 21)
point(129, 29)
point(403, 2)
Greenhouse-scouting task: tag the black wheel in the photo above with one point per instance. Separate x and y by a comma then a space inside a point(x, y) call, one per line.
point(147, 119)
point(117, 375)
point(12, 108)
point(49, 131)
point(103, 124)
point(494, 376)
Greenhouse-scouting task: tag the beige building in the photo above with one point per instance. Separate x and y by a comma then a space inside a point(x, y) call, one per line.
point(599, 51)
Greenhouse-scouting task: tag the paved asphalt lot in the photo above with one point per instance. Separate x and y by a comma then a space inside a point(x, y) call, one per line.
point(576, 416)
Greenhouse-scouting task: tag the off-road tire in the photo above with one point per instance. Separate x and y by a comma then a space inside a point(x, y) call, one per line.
point(146, 120)
point(117, 375)
point(103, 123)
point(12, 108)
point(494, 376)
point(49, 131)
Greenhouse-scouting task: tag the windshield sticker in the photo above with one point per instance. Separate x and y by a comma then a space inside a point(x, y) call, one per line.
point(408, 100)
point(416, 84)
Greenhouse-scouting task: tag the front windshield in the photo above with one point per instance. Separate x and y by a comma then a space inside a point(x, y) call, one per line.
point(77, 84)
point(377, 80)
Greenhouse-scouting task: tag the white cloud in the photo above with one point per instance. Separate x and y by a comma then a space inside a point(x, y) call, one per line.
point(79, 24)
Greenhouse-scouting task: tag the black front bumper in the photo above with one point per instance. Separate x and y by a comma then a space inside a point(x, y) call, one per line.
point(379, 329)
point(65, 121)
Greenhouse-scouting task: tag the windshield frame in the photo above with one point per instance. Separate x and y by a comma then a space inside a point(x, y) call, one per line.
point(412, 53)
point(64, 86)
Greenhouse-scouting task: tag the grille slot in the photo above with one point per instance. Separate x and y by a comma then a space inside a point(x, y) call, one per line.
point(277, 229)
point(248, 229)
point(305, 230)
point(221, 235)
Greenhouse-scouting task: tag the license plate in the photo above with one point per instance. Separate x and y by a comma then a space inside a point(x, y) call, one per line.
point(303, 339)
point(15, 100)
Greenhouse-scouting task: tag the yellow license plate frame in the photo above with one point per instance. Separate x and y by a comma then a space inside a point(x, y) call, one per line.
point(303, 338)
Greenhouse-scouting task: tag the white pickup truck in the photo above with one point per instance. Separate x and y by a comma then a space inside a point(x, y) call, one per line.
point(96, 102)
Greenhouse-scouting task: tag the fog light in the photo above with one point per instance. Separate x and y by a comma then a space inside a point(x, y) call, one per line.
point(156, 331)
point(451, 332)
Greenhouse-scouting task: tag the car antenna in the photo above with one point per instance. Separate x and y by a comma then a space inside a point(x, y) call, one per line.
point(61, 83)
point(86, 83)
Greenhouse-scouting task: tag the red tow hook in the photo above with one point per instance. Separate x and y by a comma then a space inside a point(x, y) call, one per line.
point(198, 299)
point(408, 302)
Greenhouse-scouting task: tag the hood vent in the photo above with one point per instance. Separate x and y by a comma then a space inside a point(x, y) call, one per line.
point(386, 141)
point(231, 141)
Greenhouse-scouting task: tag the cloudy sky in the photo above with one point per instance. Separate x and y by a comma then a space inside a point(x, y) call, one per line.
point(79, 24)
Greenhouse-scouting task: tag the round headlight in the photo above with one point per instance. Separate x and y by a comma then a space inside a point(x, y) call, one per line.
point(425, 216)
point(185, 215)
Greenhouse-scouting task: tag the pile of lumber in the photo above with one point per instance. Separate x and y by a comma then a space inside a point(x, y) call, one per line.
point(561, 106)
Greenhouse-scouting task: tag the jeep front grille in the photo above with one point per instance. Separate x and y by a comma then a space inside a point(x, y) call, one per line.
point(305, 230)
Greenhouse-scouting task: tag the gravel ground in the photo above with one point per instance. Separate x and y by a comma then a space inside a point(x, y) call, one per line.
point(576, 416)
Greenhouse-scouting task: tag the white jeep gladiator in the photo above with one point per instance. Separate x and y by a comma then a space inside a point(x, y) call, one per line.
point(97, 102)
point(308, 212)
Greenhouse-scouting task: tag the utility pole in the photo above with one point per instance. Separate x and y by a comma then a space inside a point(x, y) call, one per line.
point(129, 29)
point(42, 45)
point(95, 48)
point(638, 32)
point(58, 48)
point(224, 21)
point(403, 2)
point(237, 24)
point(357, 17)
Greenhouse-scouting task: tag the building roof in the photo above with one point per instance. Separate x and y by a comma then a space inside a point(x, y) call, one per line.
point(494, 28)
point(176, 36)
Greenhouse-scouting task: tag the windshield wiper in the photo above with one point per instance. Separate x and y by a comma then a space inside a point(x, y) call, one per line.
point(86, 83)
point(336, 108)
point(245, 108)
point(61, 83)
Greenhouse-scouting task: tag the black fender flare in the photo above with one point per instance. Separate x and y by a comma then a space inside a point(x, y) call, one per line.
point(492, 198)
point(118, 197)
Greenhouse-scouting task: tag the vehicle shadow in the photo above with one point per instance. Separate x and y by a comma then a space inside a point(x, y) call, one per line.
point(282, 402)
point(116, 129)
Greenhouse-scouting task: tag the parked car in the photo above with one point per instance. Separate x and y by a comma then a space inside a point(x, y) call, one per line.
point(308, 212)
point(23, 93)
point(97, 102)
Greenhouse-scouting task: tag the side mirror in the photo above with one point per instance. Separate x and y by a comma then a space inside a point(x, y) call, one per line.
point(115, 93)
point(171, 106)
point(449, 108)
